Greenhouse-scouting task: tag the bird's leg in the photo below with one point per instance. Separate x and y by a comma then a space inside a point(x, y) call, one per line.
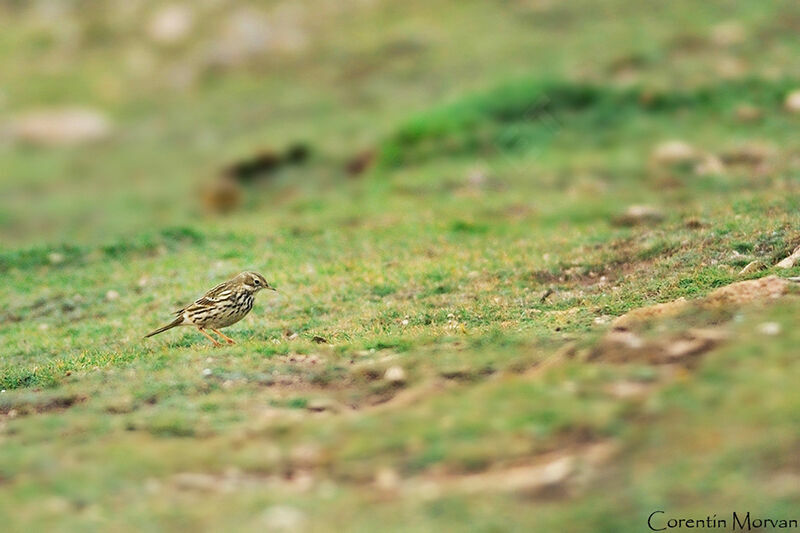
point(227, 339)
point(212, 339)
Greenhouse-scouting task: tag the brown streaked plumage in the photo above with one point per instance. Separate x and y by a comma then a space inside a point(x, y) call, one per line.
point(225, 304)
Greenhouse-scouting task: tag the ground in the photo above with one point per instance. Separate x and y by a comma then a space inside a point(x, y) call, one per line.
point(444, 352)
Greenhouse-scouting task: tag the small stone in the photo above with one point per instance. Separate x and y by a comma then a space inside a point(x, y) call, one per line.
point(405, 322)
point(791, 260)
point(743, 292)
point(207, 372)
point(639, 214)
point(627, 389)
point(642, 315)
point(170, 24)
point(674, 152)
point(283, 519)
point(387, 479)
point(710, 165)
point(395, 374)
point(61, 127)
point(55, 258)
point(751, 267)
point(793, 101)
point(112, 295)
point(769, 328)
point(44, 327)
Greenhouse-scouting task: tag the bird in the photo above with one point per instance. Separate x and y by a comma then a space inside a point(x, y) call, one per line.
point(225, 304)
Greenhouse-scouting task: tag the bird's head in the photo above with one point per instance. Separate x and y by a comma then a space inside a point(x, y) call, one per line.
point(254, 282)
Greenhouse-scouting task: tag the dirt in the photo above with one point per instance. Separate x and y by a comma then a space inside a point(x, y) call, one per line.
point(44, 405)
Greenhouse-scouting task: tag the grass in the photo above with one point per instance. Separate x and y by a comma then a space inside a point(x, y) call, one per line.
point(482, 254)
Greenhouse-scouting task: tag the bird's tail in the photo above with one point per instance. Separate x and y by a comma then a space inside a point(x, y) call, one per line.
point(177, 322)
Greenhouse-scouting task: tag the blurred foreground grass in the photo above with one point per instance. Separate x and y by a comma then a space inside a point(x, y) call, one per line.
point(438, 357)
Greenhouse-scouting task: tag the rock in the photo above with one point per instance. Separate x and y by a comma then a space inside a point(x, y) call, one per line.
point(395, 374)
point(387, 479)
point(55, 258)
point(710, 165)
point(674, 152)
point(170, 24)
point(751, 267)
point(644, 314)
point(793, 101)
point(112, 295)
point(60, 127)
point(283, 519)
point(769, 328)
point(791, 260)
point(627, 389)
point(743, 292)
point(636, 215)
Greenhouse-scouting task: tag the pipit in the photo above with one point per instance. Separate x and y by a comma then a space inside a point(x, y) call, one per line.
point(225, 304)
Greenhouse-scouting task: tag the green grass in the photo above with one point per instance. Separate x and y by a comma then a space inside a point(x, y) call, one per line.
point(482, 254)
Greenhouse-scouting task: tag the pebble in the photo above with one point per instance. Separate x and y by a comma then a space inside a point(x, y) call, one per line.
point(170, 24)
point(55, 258)
point(752, 266)
point(395, 374)
point(112, 295)
point(283, 518)
point(769, 328)
point(639, 214)
point(60, 127)
point(791, 260)
point(793, 101)
point(674, 152)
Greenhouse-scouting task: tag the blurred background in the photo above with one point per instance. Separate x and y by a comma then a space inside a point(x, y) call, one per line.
point(457, 201)
point(121, 116)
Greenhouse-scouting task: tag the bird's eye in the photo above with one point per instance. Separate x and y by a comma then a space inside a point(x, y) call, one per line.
point(257, 282)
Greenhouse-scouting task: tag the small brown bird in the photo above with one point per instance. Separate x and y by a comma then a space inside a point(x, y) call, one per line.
point(225, 304)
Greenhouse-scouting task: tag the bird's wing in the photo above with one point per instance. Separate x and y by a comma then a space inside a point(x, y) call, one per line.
point(209, 299)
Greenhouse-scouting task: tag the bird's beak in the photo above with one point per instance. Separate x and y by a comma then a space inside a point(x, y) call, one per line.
point(273, 288)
